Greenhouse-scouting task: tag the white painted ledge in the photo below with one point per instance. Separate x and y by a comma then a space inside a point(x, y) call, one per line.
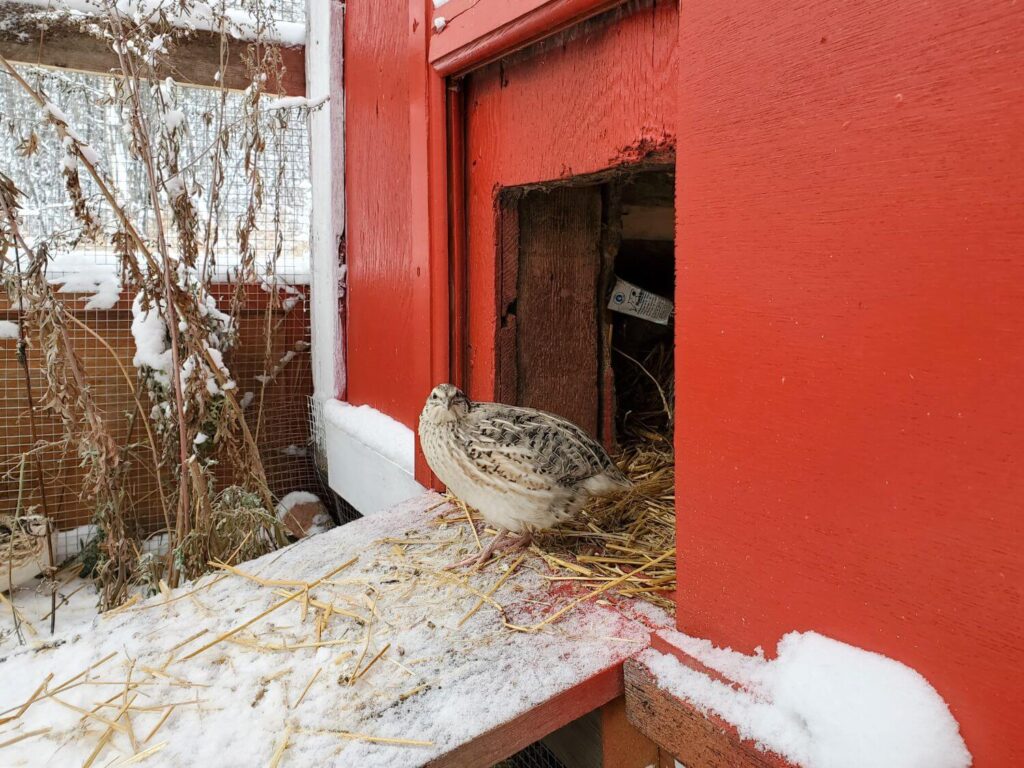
point(370, 457)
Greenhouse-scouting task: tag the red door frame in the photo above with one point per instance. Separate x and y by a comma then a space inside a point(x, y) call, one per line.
point(473, 34)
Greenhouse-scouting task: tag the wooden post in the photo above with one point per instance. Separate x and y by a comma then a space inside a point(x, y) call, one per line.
point(557, 316)
point(622, 745)
point(325, 24)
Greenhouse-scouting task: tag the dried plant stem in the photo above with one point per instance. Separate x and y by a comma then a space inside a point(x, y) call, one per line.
point(308, 686)
point(33, 431)
point(138, 404)
point(275, 759)
point(366, 737)
point(22, 737)
point(143, 145)
point(661, 392)
point(492, 590)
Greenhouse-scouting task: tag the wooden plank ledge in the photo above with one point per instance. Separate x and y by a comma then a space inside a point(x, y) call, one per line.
point(694, 738)
point(354, 644)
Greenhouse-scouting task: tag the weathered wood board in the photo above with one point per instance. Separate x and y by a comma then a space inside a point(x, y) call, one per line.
point(196, 60)
point(557, 304)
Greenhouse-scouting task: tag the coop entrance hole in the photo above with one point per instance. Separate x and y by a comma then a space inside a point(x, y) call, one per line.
point(565, 250)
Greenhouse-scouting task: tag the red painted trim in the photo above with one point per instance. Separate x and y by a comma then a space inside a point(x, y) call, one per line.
point(457, 235)
point(429, 219)
point(485, 31)
point(661, 645)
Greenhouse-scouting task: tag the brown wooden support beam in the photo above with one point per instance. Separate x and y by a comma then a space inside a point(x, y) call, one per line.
point(622, 744)
point(65, 42)
point(695, 739)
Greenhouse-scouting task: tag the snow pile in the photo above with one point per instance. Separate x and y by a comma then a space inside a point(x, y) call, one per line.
point(196, 362)
point(98, 279)
point(292, 102)
point(173, 119)
point(152, 344)
point(8, 329)
point(82, 272)
point(376, 430)
point(821, 703)
point(77, 601)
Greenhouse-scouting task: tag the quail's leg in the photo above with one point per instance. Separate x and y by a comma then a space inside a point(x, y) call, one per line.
point(497, 544)
point(522, 541)
point(483, 556)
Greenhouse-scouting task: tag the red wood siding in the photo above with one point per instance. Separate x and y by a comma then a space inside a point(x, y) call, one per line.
point(380, 342)
point(851, 337)
point(570, 107)
point(850, 299)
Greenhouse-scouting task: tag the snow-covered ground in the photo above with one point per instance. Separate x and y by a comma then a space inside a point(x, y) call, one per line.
point(353, 647)
point(77, 602)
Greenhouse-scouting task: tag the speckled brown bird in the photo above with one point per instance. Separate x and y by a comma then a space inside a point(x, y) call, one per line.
point(522, 469)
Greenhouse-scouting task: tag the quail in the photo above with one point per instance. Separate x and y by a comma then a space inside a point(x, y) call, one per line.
point(522, 469)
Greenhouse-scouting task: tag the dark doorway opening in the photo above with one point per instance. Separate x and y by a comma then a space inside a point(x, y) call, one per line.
point(585, 285)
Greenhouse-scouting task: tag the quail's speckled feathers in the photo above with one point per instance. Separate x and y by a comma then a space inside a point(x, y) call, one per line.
point(520, 468)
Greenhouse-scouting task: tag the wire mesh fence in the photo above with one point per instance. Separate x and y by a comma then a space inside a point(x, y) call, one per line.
point(268, 300)
point(537, 755)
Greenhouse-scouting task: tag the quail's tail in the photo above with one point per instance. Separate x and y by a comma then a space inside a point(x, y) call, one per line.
point(610, 483)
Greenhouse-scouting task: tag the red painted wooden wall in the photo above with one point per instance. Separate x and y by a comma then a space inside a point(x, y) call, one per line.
point(569, 108)
point(850, 349)
point(380, 291)
point(850, 295)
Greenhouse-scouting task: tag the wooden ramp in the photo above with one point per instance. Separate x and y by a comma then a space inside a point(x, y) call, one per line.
point(352, 648)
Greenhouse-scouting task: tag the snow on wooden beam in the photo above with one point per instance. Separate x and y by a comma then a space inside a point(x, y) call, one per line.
point(61, 40)
point(697, 740)
point(352, 647)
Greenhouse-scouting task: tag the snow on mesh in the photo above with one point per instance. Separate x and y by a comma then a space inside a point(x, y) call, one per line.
point(8, 329)
point(82, 273)
point(152, 343)
point(821, 703)
point(436, 681)
point(293, 102)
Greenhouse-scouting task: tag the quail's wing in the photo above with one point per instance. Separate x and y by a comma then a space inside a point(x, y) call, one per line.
point(524, 445)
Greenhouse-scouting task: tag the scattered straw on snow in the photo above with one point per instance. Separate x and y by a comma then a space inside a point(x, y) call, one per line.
point(352, 643)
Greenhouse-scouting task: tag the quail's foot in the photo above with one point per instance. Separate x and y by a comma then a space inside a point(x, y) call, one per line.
point(497, 544)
